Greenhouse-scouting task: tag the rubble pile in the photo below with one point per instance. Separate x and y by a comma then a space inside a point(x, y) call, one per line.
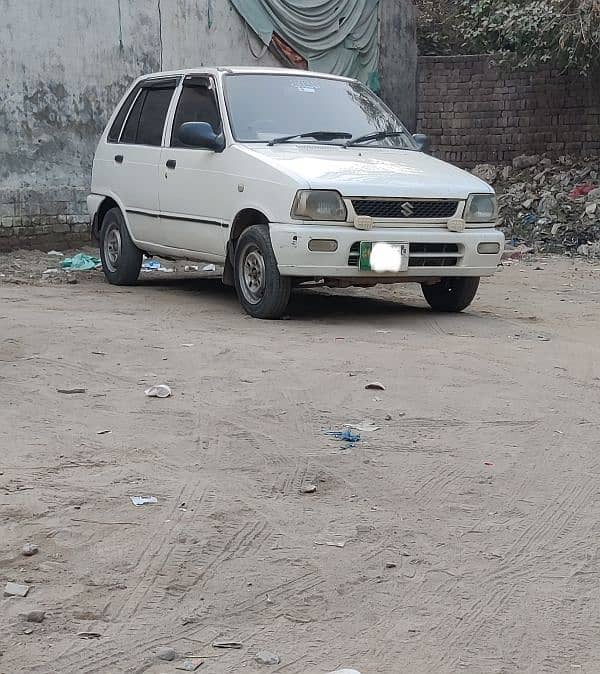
point(551, 205)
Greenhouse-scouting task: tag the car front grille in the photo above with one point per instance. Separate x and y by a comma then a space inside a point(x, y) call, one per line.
point(421, 255)
point(404, 209)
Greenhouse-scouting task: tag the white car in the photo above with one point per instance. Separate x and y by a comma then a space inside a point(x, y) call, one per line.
point(285, 177)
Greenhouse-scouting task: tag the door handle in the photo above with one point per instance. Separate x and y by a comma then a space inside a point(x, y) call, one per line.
point(171, 164)
point(119, 158)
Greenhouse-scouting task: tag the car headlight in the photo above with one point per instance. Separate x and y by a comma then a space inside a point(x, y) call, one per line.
point(481, 208)
point(319, 205)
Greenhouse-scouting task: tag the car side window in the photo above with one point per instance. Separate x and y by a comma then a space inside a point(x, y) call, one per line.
point(117, 125)
point(147, 118)
point(197, 103)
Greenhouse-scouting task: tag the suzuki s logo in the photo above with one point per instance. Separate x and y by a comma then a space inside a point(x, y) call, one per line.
point(407, 209)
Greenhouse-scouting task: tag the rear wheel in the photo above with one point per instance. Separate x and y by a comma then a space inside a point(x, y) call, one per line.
point(451, 294)
point(121, 258)
point(261, 289)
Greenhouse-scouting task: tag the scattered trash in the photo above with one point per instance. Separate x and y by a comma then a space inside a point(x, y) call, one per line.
point(209, 267)
point(390, 565)
point(309, 489)
point(190, 665)
point(27, 630)
point(35, 616)
point(375, 386)
point(191, 267)
point(383, 332)
point(70, 391)
point(489, 464)
point(551, 205)
point(89, 635)
point(227, 644)
point(158, 391)
point(51, 271)
point(266, 658)
point(15, 590)
point(346, 435)
point(542, 338)
point(332, 544)
point(55, 253)
point(154, 265)
point(143, 500)
point(365, 426)
point(166, 653)
point(103, 432)
point(81, 262)
point(187, 346)
point(29, 549)
point(98, 353)
point(388, 417)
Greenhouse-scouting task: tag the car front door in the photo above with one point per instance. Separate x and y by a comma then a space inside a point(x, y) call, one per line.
point(137, 157)
point(192, 180)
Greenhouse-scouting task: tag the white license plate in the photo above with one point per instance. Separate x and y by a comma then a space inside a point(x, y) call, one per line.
point(383, 257)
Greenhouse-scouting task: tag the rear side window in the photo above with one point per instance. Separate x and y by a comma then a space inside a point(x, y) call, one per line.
point(197, 104)
point(147, 118)
point(117, 125)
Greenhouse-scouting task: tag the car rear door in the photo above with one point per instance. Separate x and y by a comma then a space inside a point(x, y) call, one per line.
point(137, 157)
point(194, 181)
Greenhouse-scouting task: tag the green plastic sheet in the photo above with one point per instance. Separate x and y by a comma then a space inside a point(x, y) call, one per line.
point(80, 262)
point(334, 36)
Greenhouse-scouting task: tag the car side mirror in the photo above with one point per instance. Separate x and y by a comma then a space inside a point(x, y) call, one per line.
point(422, 141)
point(200, 134)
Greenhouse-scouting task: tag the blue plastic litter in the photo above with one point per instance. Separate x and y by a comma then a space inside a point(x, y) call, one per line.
point(150, 265)
point(347, 435)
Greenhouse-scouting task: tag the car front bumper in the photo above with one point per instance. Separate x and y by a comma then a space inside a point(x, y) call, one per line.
point(294, 258)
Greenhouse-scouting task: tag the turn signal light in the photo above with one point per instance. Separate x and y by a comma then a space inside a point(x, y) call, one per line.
point(323, 245)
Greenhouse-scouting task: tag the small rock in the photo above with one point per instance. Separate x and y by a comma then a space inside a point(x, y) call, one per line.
point(35, 616)
point(30, 549)
point(375, 386)
point(27, 630)
point(266, 658)
point(390, 565)
point(166, 653)
point(15, 590)
point(388, 417)
point(309, 489)
point(524, 162)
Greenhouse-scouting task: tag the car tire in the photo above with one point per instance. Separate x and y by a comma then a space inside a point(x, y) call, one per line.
point(262, 291)
point(121, 258)
point(451, 294)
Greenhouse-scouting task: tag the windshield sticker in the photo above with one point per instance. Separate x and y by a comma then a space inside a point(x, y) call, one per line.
point(308, 86)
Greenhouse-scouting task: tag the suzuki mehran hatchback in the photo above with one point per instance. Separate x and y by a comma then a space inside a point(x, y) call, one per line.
point(284, 177)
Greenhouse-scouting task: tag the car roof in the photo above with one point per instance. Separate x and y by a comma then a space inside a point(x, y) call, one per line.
point(245, 70)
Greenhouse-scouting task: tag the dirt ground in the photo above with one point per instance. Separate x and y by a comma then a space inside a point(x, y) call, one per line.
point(465, 528)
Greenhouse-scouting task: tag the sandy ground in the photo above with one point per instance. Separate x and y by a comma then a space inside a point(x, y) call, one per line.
point(469, 521)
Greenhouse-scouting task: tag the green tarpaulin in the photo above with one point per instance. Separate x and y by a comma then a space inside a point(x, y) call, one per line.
point(334, 36)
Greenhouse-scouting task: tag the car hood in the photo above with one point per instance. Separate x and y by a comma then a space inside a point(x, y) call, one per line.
point(369, 172)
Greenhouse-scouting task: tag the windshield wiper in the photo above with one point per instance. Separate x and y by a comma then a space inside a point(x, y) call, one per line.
point(317, 135)
point(379, 135)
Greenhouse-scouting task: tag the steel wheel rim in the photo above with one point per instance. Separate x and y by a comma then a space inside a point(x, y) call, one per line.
point(252, 274)
point(112, 247)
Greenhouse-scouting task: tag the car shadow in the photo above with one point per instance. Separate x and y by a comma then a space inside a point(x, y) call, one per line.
point(306, 304)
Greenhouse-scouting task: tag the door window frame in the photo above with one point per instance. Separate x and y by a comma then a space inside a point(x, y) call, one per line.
point(175, 103)
point(150, 84)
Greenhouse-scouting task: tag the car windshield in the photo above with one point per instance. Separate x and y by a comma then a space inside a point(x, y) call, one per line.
point(263, 108)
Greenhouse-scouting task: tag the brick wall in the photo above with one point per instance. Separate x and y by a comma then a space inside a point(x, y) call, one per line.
point(477, 112)
point(30, 217)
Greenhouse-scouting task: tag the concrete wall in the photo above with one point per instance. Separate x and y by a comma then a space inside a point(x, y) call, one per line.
point(64, 65)
point(477, 112)
point(398, 57)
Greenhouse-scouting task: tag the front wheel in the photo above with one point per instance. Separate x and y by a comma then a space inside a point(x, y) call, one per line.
point(261, 289)
point(451, 294)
